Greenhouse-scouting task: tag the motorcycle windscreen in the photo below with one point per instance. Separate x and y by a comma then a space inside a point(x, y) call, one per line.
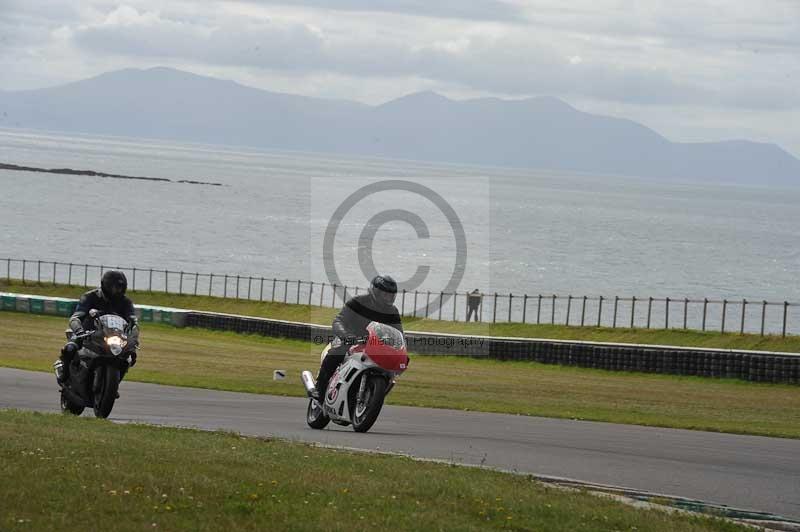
point(386, 347)
point(112, 322)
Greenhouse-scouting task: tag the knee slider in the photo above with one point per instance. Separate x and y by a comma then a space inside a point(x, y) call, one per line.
point(70, 349)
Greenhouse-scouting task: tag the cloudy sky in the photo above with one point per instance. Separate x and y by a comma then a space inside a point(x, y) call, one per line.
point(691, 69)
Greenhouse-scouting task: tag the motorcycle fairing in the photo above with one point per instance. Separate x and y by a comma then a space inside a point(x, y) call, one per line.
point(337, 397)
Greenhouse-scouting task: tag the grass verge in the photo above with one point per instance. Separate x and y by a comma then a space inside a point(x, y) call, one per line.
point(178, 479)
point(229, 361)
point(323, 315)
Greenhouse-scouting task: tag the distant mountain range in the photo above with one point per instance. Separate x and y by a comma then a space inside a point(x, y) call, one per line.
point(540, 133)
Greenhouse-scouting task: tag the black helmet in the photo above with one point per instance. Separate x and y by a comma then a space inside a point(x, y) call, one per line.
point(114, 285)
point(383, 290)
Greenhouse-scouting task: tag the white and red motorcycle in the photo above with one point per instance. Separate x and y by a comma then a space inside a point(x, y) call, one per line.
point(356, 391)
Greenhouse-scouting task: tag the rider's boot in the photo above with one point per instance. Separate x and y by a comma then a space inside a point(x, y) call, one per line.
point(61, 365)
point(61, 371)
point(321, 385)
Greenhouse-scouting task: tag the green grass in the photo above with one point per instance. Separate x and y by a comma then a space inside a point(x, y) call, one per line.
point(229, 361)
point(63, 472)
point(322, 315)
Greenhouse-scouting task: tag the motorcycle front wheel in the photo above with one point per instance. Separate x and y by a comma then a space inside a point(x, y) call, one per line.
point(106, 394)
point(366, 413)
point(315, 417)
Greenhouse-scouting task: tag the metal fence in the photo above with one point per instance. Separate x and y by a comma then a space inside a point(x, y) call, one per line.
point(723, 315)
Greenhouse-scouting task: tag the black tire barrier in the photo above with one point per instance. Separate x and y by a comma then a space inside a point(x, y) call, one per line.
point(748, 366)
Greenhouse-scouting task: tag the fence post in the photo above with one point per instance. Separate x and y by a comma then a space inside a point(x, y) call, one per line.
point(524, 307)
point(344, 293)
point(321, 294)
point(225, 287)
point(38, 272)
point(569, 307)
point(237, 287)
point(553, 311)
point(583, 311)
point(261, 290)
point(54, 272)
point(685, 311)
point(272, 297)
point(785, 313)
point(427, 303)
point(196, 280)
point(649, 310)
point(180, 284)
point(210, 283)
point(333, 296)
point(724, 311)
point(310, 291)
point(599, 311)
point(616, 305)
point(539, 310)
point(285, 290)
point(763, 315)
point(166, 281)
point(633, 310)
point(69, 274)
point(705, 309)
point(415, 303)
point(666, 313)
point(298, 292)
point(494, 311)
point(150, 282)
point(510, 298)
point(403, 303)
point(249, 285)
point(744, 308)
point(8, 270)
point(441, 304)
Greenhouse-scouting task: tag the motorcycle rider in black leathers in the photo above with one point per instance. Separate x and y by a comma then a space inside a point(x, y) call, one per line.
point(350, 325)
point(108, 299)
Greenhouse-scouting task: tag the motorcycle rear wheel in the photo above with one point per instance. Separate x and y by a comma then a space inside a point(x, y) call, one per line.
point(315, 417)
point(68, 407)
point(104, 397)
point(365, 416)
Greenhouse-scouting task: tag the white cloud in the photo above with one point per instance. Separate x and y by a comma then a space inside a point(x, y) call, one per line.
point(507, 11)
point(509, 61)
point(718, 57)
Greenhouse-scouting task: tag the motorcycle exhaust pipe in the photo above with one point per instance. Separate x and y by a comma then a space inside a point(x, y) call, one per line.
point(308, 382)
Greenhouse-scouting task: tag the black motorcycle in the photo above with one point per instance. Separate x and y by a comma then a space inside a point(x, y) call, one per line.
point(96, 370)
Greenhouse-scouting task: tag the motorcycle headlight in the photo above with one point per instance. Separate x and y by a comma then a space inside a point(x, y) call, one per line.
point(116, 344)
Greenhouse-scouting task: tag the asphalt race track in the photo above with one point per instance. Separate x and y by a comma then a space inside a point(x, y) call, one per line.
point(749, 472)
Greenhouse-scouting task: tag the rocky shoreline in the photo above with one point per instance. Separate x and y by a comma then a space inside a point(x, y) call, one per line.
point(92, 173)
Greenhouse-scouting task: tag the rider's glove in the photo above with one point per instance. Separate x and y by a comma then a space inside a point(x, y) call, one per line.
point(76, 325)
point(132, 356)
